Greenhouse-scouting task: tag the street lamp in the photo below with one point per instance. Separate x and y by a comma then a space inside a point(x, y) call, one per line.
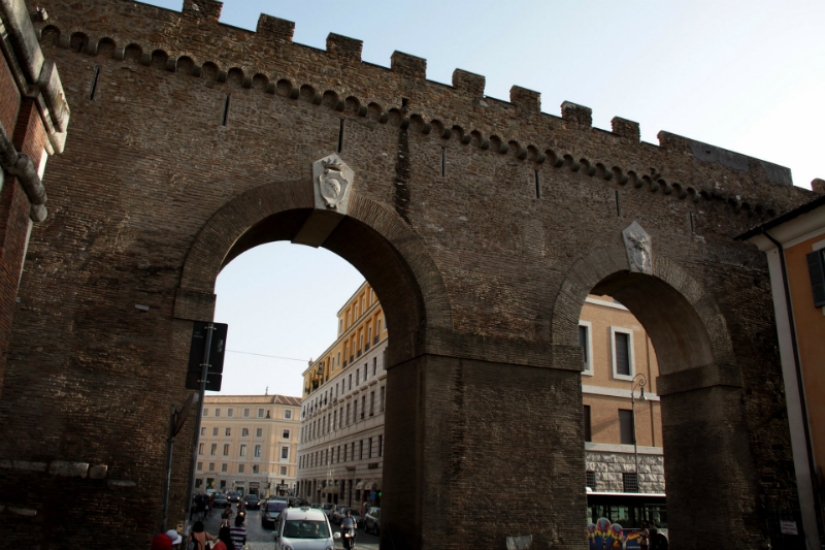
point(638, 381)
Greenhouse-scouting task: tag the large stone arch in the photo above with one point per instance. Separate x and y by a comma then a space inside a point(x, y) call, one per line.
point(373, 238)
point(706, 443)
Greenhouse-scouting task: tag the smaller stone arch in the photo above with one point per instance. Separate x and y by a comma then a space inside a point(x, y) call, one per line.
point(680, 316)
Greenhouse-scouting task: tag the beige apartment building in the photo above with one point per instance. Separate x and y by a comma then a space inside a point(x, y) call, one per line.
point(341, 448)
point(248, 443)
point(340, 453)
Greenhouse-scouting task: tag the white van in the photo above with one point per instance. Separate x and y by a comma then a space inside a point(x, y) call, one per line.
point(304, 528)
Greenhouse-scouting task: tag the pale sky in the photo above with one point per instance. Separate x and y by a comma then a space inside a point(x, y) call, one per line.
point(748, 76)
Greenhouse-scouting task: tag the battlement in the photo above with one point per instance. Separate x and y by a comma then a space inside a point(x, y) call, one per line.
point(401, 95)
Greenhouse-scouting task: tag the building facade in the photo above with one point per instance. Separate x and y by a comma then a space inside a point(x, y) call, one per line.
point(794, 244)
point(341, 449)
point(34, 117)
point(622, 432)
point(340, 454)
point(248, 443)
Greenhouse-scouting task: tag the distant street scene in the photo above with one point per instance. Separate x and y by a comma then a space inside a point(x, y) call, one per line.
point(263, 538)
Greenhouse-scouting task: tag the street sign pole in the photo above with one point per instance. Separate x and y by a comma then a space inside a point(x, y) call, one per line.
point(207, 348)
point(168, 480)
point(178, 417)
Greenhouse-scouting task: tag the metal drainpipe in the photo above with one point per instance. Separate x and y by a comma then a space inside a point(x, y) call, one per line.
point(20, 165)
point(800, 387)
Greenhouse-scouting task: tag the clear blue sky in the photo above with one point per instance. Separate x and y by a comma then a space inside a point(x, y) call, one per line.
point(744, 75)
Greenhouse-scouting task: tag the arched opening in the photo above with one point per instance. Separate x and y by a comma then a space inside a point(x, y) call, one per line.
point(396, 269)
point(699, 388)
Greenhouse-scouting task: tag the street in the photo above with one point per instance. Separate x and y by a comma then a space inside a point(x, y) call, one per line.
point(260, 538)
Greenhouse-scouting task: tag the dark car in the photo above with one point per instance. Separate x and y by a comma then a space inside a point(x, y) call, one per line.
point(372, 521)
point(271, 511)
point(233, 496)
point(220, 501)
point(252, 501)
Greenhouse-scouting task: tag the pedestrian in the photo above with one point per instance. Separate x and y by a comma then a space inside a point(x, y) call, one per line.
point(226, 515)
point(174, 537)
point(238, 532)
point(224, 540)
point(644, 536)
point(161, 542)
point(199, 537)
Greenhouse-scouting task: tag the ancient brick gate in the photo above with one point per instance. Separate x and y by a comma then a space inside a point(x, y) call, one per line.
point(482, 225)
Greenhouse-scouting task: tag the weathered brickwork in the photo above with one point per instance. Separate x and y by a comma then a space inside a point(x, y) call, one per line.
point(481, 224)
point(27, 134)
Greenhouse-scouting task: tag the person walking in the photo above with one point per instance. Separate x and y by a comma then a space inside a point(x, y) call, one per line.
point(238, 533)
point(224, 540)
point(175, 538)
point(199, 536)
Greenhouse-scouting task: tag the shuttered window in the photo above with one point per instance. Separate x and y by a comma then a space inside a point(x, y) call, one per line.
point(583, 343)
point(622, 353)
point(626, 426)
point(816, 268)
point(588, 435)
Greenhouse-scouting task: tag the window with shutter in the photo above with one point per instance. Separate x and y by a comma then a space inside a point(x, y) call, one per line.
point(816, 268)
point(622, 350)
point(626, 427)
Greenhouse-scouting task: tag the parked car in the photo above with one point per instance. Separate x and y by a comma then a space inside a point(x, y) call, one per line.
point(305, 528)
point(220, 501)
point(272, 511)
point(252, 501)
point(233, 496)
point(327, 508)
point(334, 509)
point(372, 521)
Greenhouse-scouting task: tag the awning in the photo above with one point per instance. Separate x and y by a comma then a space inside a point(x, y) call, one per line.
point(359, 485)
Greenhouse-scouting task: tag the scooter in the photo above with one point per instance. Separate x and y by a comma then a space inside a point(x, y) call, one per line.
point(348, 534)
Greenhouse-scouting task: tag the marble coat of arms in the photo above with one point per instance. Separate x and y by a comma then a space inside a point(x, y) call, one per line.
point(332, 180)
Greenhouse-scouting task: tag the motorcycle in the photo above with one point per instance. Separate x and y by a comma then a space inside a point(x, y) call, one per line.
point(348, 534)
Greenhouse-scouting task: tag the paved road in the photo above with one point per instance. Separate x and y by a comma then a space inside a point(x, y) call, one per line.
point(260, 538)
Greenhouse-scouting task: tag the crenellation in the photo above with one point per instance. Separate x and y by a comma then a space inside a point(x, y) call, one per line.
point(275, 28)
point(344, 48)
point(579, 114)
point(526, 101)
point(203, 9)
point(470, 83)
point(626, 128)
point(409, 66)
point(465, 84)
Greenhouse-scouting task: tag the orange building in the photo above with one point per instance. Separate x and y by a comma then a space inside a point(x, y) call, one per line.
point(795, 247)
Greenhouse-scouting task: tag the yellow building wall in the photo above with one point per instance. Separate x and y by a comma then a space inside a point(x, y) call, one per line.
point(810, 333)
point(603, 313)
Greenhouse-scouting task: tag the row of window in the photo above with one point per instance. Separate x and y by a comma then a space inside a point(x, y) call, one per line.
point(343, 453)
point(242, 451)
point(626, 425)
point(262, 413)
point(352, 314)
point(621, 350)
point(259, 432)
point(342, 386)
point(344, 416)
point(256, 469)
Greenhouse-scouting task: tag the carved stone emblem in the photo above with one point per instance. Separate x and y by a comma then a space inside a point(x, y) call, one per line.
point(332, 180)
point(639, 249)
